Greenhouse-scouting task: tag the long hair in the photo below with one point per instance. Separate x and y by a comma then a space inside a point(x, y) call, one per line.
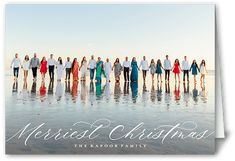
point(83, 59)
point(60, 60)
point(159, 62)
point(42, 59)
point(26, 57)
point(177, 60)
point(73, 62)
point(116, 61)
point(203, 62)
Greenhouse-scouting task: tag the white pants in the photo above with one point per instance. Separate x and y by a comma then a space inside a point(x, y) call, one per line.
point(107, 76)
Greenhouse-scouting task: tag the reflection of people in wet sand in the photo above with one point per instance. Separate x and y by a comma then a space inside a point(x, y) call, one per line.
point(83, 91)
point(159, 91)
point(59, 90)
point(203, 93)
point(98, 90)
point(126, 88)
point(117, 92)
point(186, 93)
point(152, 93)
point(177, 92)
point(92, 93)
point(195, 93)
point(50, 87)
point(74, 91)
point(107, 91)
point(33, 89)
point(42, 90)
point(134, 91)
point(15, 86)
point(67, 87)
point(167, 87)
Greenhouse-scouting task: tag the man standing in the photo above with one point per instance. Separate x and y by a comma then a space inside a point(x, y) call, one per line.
point(51, 65)
point(185, 68)
point(127, 66)
point(68, 66)
point(167, 67)
point(16, 64)
point(145, 67)
point(34, 65)
point(92, 67)
point(107, 69)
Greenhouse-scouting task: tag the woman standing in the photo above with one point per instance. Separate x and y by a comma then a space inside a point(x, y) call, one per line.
point(152, 69)
point(176, 69)
point(43, 67)
point(60, 69)
point(83, 69)
point(134, 70)
point(99, 70)
point(159, 70)
point(117, 70)
point(203, 71)
point(26, 65)
point(75, 68)
point(194, 68)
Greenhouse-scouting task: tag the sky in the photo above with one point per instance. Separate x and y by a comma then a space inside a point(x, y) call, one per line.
point(109, 30)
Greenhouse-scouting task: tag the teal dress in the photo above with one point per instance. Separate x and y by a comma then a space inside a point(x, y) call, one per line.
point(158, 69)
point(194, 68)
point(134, 71)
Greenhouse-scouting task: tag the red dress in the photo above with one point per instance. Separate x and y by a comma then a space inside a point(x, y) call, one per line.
point(176, 69)
point(43, 67)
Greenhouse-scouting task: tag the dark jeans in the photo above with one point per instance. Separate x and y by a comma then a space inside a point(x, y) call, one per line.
point(92, 73)
point(51, 71)
point(68, 71)
point(34, 70)
point(167, 75)
point(186, 72)
point(16, 72)
point(144, 74)
point(126, 73)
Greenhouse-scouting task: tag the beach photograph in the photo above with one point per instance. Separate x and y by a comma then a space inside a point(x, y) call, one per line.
point(109, 79)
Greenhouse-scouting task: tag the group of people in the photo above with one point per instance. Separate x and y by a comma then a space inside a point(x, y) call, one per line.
point(98, 68)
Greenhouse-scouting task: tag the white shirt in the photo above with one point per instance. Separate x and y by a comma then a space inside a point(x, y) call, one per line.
point(126, 64)
point(68, 64)
point(16, 63)
point(51, 62)
point(167, 64)
point(185, 65)
point(144, 65)
point(92, 64)
point(26, 65)
point(107, 67)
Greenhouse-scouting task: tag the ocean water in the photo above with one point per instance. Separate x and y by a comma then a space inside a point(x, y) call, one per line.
point(59, 104)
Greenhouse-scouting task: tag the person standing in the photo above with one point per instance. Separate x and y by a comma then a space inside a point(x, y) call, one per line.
point(26, 66)
point(159, 70)
point(99, 70)
point(152, 69)
point(126, 69)
point(117, 70)
point(68, 66)
point(51, 65)
point(16, 64)
point(92, 67)
point(83, 69)
point(185, 68)
point(107, 69)
point(176, 69)
point(75, 68)
point(194, 68)
point(59, 68)
point(203, 71)
point(43, 68)
point(134, 70)
point(145, 67)
point(167, 67)
point(34, 65)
